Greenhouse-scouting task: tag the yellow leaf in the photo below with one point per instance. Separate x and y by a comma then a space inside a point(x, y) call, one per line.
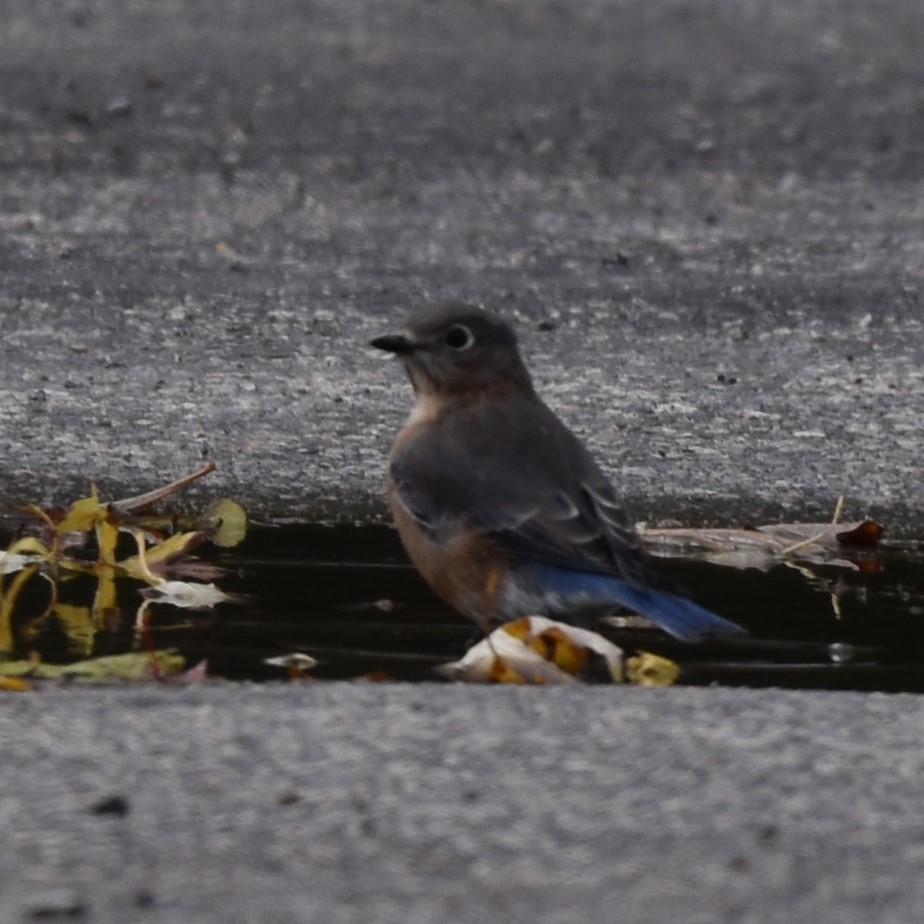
point(562, 651)
point(174, 547)
point(502, 672)
point(134, 666)
point(651, 670)
point(15, 685)
point(28, 545)
point(519, 628)
point(140, 566)
point(82, 515)
point(535, 650)
point(8, 598)
point(77, 624)
point(107, 536)
point(137, 565)
point(105, 600)
point(231, 520)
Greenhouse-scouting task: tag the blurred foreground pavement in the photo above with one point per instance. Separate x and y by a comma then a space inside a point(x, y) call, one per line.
point(412, 804)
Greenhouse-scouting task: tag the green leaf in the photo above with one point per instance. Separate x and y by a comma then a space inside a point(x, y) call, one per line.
point(133, 666)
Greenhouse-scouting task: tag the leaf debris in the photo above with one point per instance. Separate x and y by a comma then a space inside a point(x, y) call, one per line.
point(84, 539)
point(537, 650)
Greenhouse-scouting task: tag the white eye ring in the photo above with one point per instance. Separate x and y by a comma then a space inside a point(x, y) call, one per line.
point(459, 337)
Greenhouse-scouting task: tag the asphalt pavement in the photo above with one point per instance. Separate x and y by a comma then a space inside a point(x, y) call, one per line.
point(370, 802)
point(704, 218)
point(706, 221)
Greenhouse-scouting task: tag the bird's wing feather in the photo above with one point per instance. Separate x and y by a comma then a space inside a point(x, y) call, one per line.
point(583, 529)
point(521, 477)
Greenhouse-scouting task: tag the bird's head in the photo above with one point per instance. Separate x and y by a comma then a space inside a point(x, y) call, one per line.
point(454, 349)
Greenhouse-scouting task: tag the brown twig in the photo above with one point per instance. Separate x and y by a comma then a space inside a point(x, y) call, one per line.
point(151, 497)
point(804, 542)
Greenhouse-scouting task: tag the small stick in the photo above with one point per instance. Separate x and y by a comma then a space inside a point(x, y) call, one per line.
point(150, 497)
point(492, 585)
point(804, 542)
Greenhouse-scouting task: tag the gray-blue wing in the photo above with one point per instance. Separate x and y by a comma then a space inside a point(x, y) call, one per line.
point(514, 472)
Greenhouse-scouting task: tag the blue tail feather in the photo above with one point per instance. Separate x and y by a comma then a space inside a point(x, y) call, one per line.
point(679, 616)
point(675, 614)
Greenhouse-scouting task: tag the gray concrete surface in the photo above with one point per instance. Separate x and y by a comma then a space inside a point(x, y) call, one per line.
point(207, 208)
point(405, 805)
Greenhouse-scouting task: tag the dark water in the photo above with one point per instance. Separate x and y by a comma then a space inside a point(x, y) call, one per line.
point(320, 590)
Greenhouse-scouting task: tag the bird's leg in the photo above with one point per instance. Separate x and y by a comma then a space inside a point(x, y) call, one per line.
point(491, 587)
point(499, 668)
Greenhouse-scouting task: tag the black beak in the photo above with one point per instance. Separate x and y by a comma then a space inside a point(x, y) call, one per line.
point(393, 343)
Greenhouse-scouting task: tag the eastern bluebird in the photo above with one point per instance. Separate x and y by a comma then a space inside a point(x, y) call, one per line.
point(499, 505)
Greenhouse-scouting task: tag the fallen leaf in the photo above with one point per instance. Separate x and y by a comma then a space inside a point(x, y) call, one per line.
point(133, 666)
point(67, 549)
point(536, 650)
point(160, 556)
point(77, 624)
point(296, 660)
point(186, 595)
point(297, 663)
point(8, 598)
point(864, 535)
point(29, 545)
point(764, 547)
point(651, 670)
point(107, 537)
point(11, 562)
point(82, 515)
point(225, 523)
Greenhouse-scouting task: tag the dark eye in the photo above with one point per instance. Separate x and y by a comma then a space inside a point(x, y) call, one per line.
point(459, 337)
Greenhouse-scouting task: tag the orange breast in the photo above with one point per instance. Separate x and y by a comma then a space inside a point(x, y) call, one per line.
point(465, 571)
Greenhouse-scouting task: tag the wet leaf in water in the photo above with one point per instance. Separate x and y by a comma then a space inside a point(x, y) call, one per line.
point(651, 670)
point(186, 595)
point(536, 650)
point(296, 659)
point(78, 625)
point(764, 547)
point(23, 552)
point(9, 595)
point(107, 538)
point(10, 563)
point(297, 663)
point(150, 563)
point(133, 666)
point(225, 523)
point(83, 540)
point(864, 535)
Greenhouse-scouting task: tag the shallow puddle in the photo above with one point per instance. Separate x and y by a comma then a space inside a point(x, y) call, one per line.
point(347, 597)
